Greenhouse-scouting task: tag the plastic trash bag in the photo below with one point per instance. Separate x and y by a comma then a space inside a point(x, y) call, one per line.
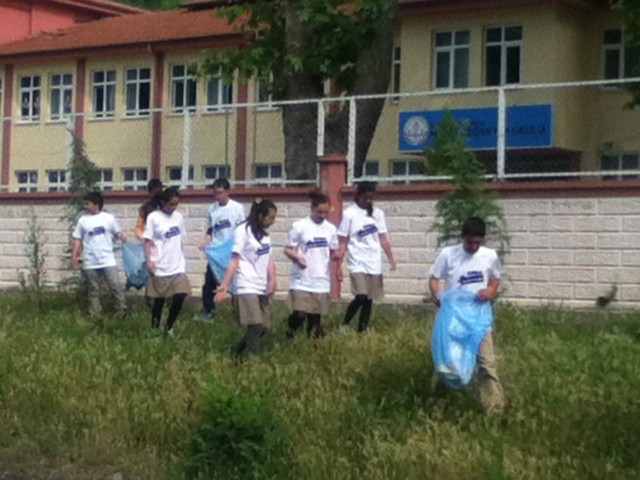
point(219, 254)
point(461, 325)
point(135, 264)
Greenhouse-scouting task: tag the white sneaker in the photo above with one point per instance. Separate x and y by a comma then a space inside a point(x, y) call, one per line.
point(169, 333)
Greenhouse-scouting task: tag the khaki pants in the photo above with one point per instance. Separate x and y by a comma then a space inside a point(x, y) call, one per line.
point(111, 276)
point(491, 393)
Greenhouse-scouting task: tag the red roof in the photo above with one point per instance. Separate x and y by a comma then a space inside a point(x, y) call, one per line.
point(107, 6)
point(124, 30)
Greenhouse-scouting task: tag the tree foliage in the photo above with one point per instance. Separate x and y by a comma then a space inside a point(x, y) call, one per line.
point(469, 198)
point(630, 10)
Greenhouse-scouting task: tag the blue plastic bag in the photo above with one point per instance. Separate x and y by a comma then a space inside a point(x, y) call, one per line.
point(219, 254)
point(461, 325)
point(135, 264)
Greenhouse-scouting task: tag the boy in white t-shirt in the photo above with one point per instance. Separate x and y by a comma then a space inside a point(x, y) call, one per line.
point(93, 235)
point(470, 266)
point(223, 217)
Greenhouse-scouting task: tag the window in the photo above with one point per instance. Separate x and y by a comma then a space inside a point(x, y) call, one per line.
point(175, 176)
point(212, 172)
point(27, 181)
point(395, 72)
point(619, 60)
point(503, 56)
point(30, 98)
point(60, 95)
point(134, 178)
point(218, 94)
point(273, 170)
point(106, 179)
point(371, 168)
point(451, 68)
point(57, 180)
point(406, 167)
point(104, 93)
point(183, 88)
point(625, 161)
point(264, 93)
point(138, 91)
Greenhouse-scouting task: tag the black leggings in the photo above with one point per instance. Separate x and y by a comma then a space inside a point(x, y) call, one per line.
point(251, 340)
point(364, 302)
point(314, 327)
point(174, 310)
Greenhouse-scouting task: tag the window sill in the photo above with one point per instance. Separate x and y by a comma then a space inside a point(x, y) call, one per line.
point(137, 116)
point(101, 119)
point(218, 111)
point(28, 122)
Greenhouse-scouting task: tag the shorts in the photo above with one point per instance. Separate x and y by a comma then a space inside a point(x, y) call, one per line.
point(365, 284)
point(163, 287)
point(309, 302)
point(253, 309)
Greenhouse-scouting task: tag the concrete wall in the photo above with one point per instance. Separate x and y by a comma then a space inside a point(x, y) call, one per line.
point(563, 250)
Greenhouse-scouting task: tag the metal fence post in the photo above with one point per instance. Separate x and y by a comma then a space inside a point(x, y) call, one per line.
point(351, 150)
point(501, 134)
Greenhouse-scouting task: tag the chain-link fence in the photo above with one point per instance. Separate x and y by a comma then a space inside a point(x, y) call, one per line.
point(520, 132)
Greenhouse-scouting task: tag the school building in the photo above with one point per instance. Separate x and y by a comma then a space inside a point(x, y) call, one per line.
point(125, 83)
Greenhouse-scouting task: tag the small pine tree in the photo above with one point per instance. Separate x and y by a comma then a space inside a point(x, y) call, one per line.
point(83, 176)
point(34, 280)
point(469, 197)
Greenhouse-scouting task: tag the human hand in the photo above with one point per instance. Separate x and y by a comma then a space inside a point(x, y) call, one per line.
point(392, 262)
point(301, 261)
point(486, 295)
point(221, 294)
point(151, 266)
point(75, 263)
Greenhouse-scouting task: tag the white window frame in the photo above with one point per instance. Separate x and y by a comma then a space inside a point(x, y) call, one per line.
point(137, 83)
point(407, 167)
point(187, 82)
point(176, 171)
point(59, 182)
point(622, 49)
point(33, 98)
point(63, 87)
point(218, 169)
point(224, 95)
point(620, 159)
point(108, 89)
point(396, 72)
point(31, 180)
point(451, 51)
point(270, 170)
point(104, 183)
point(504, 46)
point(265, 99)
point(136, 183)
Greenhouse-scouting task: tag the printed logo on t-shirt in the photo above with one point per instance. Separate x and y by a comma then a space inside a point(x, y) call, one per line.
point(317, 242)
point(172, 232)
point(97, 231)
point(472, 277)
point(263, 250)
point(368, 230)
point(221, 225)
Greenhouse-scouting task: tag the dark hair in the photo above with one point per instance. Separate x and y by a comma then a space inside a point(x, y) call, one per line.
point(259, 207)
point(221, 183)
point(474, 227)
point(94, 197)
point(366, 187)
point(167, 194)
point(318, 197)
point(153, 184)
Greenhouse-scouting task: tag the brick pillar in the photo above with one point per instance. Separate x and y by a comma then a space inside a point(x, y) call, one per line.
point(333, 172)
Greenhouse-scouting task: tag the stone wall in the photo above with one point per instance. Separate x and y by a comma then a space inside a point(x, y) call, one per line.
point(563, 250)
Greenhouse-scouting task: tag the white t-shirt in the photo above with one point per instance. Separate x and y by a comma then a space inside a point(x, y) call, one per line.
point(315, 241)
point(96, 230)
point(167, 234)
point(464, 271)
point(223, 220)
point(364, 252)
point(252, 273)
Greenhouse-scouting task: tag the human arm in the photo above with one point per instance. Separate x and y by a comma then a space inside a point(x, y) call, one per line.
point(489, 293)
point(120, 236)
point(386, 246)
point(434, 288)
point(139, 230)
point(295, 256)
point(222, 292)
point(340, 254)
point(75, 252)
point(151, 267)
point(271, 286)
point(208, 238)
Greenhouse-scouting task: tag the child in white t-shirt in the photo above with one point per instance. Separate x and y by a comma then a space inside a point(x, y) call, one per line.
point(164, 236)
point(310, 246)
point(255, 275)
point(363, 235)
point(470, 266)
point(93, 235)
point(223, 217)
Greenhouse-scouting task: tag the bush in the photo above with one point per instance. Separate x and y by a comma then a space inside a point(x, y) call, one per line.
point(239, 438)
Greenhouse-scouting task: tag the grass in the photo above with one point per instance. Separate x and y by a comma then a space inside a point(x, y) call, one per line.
point(80, 400)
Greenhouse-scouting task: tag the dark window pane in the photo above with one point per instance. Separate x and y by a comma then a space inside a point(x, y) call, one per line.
point(141, 174)
point(99, 99)
point(191, 93)
point(145, 96)
point(493, 66)
point(132, 74)
point(227, 94)
point(111, 76)
point(36, 103)
point(107, 175)
point(399, 168)
point(212, 91)
point(415, 168)
point(55, 80)
point(98, 77)
point(443, 39)
point(262, 171)
point(612, 37)
point(209, 173)
point(462, 37)
point(494, 34)
point(55, 103)
point(178, 94)
point(178, 71)
point(396, 78)
point(111, 98)
point(513, 65)
point(631, 62)
point(461, 68)
point(175, 173)
point(442, 69)
point(68, 99)
point(513, 33)
point(131, 97)
point(128, 175)
point(53, 177)
point(611, 64)
point(33, 177)
point(67, 79)
point(276, 171)
point(145, 73)
point(36, 81)
point(397, 52)
point(629, 162)
point(25, 82)
point(371, 168)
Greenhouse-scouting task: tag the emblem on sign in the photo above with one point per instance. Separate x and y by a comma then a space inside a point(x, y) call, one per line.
point(416, 130)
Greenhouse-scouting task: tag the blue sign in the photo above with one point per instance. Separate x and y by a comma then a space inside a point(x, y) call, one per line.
point(528, 126)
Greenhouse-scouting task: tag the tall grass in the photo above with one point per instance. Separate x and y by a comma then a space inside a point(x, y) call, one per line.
point(81, 400)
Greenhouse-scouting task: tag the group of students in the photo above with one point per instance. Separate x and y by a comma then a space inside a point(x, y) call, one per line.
point(313, 243)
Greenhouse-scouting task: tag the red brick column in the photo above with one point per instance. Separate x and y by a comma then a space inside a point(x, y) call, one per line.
point(333, 173)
